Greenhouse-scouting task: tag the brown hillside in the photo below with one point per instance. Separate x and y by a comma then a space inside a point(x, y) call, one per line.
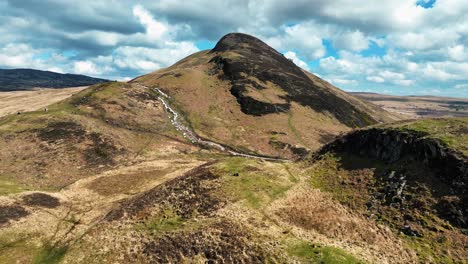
point(249, 96)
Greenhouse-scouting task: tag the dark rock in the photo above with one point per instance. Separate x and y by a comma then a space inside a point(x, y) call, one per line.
point(407, 230)
point(252, 106)
point(392, 146)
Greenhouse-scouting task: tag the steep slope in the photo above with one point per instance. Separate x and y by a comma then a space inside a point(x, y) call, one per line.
point(411, 176)
point(104, 126)
point(25, 79)
point(247, 95)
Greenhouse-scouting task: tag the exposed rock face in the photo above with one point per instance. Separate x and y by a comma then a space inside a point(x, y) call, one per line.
point(254, 107)
point(391, 146)
point(265, 64)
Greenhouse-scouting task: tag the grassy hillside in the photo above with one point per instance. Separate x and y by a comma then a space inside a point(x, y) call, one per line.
point(99, 128)
point(137, 192)
point(104, 177)
point(410, 176)
point(245, 94)
point(451, 131)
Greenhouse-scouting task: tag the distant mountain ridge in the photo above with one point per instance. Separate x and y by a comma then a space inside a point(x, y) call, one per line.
point(25, 79)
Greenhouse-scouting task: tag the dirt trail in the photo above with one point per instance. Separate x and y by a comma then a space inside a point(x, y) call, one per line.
point(194, 138)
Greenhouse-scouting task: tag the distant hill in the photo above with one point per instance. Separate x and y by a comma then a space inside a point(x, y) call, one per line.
point(417, 106)
point(25, 79)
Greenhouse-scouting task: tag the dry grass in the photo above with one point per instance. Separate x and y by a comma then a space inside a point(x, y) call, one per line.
point(419, 106)
point(25, 101)
point(214, 112)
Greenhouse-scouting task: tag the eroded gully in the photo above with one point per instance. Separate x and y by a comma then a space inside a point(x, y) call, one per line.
point(193, 137)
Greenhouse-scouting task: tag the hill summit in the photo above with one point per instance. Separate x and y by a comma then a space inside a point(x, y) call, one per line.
point(245, 93)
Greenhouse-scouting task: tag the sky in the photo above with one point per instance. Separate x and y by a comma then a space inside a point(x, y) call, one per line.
point(401, 47)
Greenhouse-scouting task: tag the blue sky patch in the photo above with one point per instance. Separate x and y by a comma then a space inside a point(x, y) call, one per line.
point(205, 44)
point(426, 3)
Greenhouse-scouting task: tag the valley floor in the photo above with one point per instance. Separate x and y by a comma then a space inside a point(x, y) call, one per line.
point(410, 107)
point(24, 101)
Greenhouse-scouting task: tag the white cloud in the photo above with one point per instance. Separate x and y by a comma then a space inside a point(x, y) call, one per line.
point(458, 53)
point(376, 79)
point(354, 41)
point(461, 86)
point(391, 75)
point(403, 82)
point(343, 82)
point(148, 59)
point(291, 55)
point(85, 67)
point(154, 29)
point(435, 73)
point(305, 38)
point(418, 47)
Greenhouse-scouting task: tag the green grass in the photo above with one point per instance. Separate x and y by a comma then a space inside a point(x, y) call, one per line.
point(312, 253)
point(255, 186)
point(165, 221)
point(294, 130)
point(14, 247)
point(50, 254)
point(425, 250)
point(326, 176)
point(452, 131)
point(10, 187)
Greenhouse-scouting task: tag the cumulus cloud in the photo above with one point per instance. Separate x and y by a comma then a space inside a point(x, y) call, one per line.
point(305, 38)
point(376, 79)
point(292, 56)
point(85, 67)
point(461, 86)
point(355, 43)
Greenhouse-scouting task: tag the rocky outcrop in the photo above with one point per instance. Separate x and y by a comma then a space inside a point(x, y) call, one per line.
point(252, 106)
point(393, 146)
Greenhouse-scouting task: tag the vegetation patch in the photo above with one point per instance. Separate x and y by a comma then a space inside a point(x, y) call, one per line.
point(61, 130)
point(11, 212)
point(452, 131)
point(220, 242)
point(50, 254)
point(166, 220)
point(10, 187)
point(313, 253)
point(187, 194)
point(243, 180)
point(405, 195)
point(41, 199)
point(15, 247)
point(102, 150)
point(123, 183)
